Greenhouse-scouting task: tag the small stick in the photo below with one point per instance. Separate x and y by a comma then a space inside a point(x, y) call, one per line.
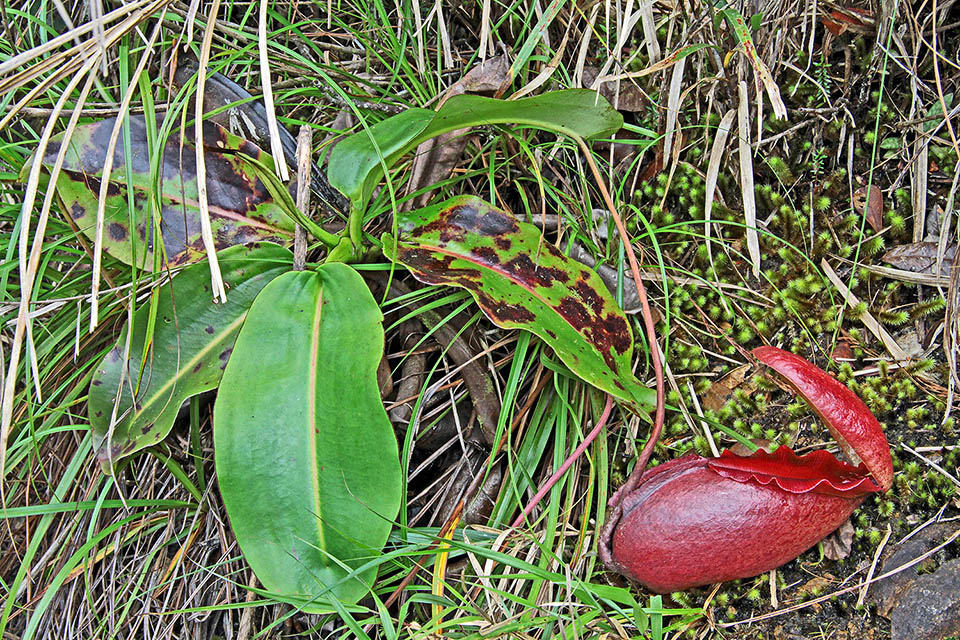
point(773, 589)
point(304, 141)
point(873, 567)
point(933, 464)
point(840, 592)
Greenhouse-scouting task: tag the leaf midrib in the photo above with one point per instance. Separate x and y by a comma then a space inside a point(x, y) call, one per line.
point(188, 364)
point(312, 416)
point(506, 275)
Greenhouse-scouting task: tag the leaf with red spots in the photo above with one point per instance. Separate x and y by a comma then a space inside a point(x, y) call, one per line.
point(192, 339)
point(522, 282)
point(241, 208)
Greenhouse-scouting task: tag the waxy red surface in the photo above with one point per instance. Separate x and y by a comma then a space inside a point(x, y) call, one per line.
point(695, 521)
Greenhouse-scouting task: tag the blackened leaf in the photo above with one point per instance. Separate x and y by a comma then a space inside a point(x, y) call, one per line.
point(522, 282)
point(192, 341)
point(241, 209)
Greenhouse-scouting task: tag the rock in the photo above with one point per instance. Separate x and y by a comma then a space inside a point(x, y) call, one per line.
point(886, 593)
point(930, 609)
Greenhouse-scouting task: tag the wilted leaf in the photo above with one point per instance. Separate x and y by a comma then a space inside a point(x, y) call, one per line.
point(839, 20)
point(842, 349)
point(722, 390)
point(522, 282)
point(306, 457)
point(870, 203)
point(628, 97)
point(837, 545)
point(229, 105)
point(241, 209)
point(815, 586)
point(921, 257)
point(761, 73)
point(192, 341)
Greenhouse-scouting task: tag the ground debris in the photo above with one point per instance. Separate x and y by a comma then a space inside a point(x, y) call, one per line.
point(837, 545)
point(920, 257)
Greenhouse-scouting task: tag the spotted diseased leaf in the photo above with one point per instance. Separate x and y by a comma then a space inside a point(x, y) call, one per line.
point(192, 341)
point(241, 209)
point(522, 282)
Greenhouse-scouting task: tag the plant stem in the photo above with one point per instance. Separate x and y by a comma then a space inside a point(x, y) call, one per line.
point(601, 423)
point(355, 226)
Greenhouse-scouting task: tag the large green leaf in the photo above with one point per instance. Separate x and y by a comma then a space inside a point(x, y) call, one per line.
point(241, 208)
point(192, 340)
point(522, 282)
point(306, 457)
point(356, 164)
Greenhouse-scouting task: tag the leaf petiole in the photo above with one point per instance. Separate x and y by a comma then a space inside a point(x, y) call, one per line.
point(279, 193)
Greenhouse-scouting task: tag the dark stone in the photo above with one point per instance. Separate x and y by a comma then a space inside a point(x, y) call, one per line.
point(886, 593)
point(930, 608)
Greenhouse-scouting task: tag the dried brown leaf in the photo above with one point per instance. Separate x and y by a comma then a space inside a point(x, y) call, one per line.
point(920, 257)
point(626, 97)
point(722, 390)
point(869, 202)
point(837, 545)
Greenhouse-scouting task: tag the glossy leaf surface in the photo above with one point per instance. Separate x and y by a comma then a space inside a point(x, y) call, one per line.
point(355, 163)
point(817, 472)
point(241, 209)
point(522, 282)
point(192, 341)
point(306, 456)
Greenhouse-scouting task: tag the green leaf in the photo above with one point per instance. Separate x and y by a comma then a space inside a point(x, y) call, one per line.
point(761, 73)
point(241, 209)
point(191, 343)
point(306, 457)
point(522, 282)
point(355, 163)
